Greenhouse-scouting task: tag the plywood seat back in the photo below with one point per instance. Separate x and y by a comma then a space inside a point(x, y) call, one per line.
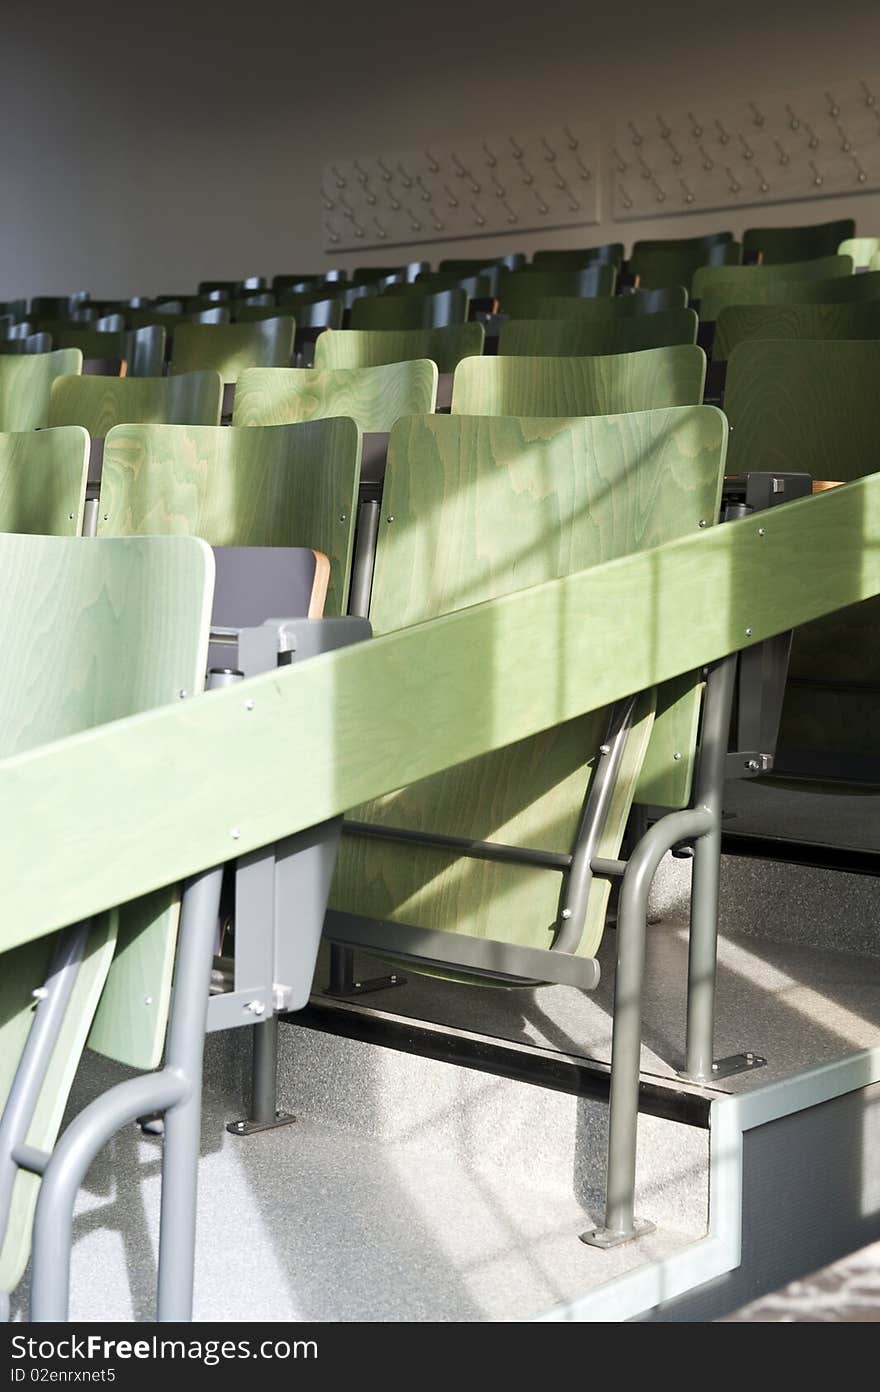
point(435, 310)
point(658, 265)
point(584, 337)
point(618, 307)
point(747, 278)
point(580, 386)
point(813, 406)
point(26, 385)
point(100, 403)
point(43, 481)
point(475, 508)
point(375, 397)
point(143, 349)
point(518, 290)
point(775, 244)
point(745, 323)
point(280, 485)
point(375, 347)
point(91, 632)
point(839, 289)
point(230, 348)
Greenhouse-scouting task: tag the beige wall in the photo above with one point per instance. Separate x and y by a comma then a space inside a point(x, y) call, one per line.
point(141, 154)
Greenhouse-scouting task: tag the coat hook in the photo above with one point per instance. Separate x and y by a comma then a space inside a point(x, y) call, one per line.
point(573, 205)
point(478, 216)
point(733, 184)
point(340, 180)
point(527, 176)
point(393, 203)
point(437, 224)
point(491, 159)
point(722, 133)
point(450, 196)
point(748, 152)
point(817, 177)
point(675, 153)
point(624, 196)
point(687, 191)
point(793, 122)
point(870, 99)
point(379, 229)
point(814, 139)
point(783, 156)
point(432, 163)
point(558, 180)
point(860, 173)
point(499, 188)
point(636, 137)
point(845, 142)
point(425, 192)
point(696, 128)
point(332, 234)
point(459, 167)
point(362, 174)
point(621, 163)
point(585, 171)
point(383, 169)
point(326, 201)
point(511, 215)
point(413, 220)
point(708, 162)
point(647, 171)
point(763, 186)
point(757, 114)
point(344, 203)
point(570, 140)
point(472, 184)
point(404, 177)
point(833, 108)
point(549, 152)
point(370, 196)
point(661, 196)
point(518, 150)
point(542, 206)
point(665, 131)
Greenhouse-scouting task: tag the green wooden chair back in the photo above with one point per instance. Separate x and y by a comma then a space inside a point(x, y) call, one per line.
point(126, 628)
point(618, 307)
point(375, 397)
point(26, 385)
point(280, 485)
point(475, 508)
point(775, 244)
point(749, 277)
point(657, 266)
point(375, 347)
point(813, 406)
point(840, 289)
point(230, 348)
point(741, 323)
point(861, 249)
point(100, 403)
point(561, 338)
point(434, 310)
point(573, 259)
point(43, 476)
point(143, 350)
point(590, 386)
point(518, 290)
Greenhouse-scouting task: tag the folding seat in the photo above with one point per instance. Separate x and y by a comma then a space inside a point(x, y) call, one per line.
point(43, 481)
point(374, 347)
point(741, 323)
point(580, 337)
point(26, 385)
point(775, 244)
point(838, 289)
point(143, 350)
point(813, 406)
point(229, 348)
point(17, 308)
point(573, 260)
point(746, 278)
point(232, 288)
point(618, 307)
point(58, 306)
point(571, 386)
point(656, 264)
point(27, 343)
point(375, 397)
point(861, 249)
point(170, 319)
point(411, 311)
point(518, 290)
point(478, 286)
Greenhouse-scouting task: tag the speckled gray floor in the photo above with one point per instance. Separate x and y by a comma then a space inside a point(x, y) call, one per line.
point(847, 1292)
point(792, 1001)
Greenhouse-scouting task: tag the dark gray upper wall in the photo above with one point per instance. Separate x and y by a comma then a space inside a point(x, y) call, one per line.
point(143, 150)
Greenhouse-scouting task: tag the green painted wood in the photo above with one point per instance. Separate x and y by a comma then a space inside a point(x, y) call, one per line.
point(230, 348)
point(560, 338)
point(375, 347)
point(746, 277)
point(776, 244)
point(127, 623)
point(657, 265)
point(375, 397)
point(597, 386)
point(743, 323)
point(481, 507)
point(162, 792)
point(282, 485)
point(861, 249)
point(100, 403)
point(814, 406)
point(572, 258)
point(518, 290)
point(397, 313)
point(842, 289)
point(43, 477)
point(25, 386)
point(94, 343)
point(618, 307)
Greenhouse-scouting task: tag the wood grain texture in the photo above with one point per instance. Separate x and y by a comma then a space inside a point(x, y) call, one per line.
point(374, 347)
point(230, 348)
point(656, 265)
point(618, 307)
point(25, 386)
point(437, 310)
point(162, 791)
point(43, 481)
point(861, 249)
point(841, 289)
point(127, 624)
point(560, 338)
point(823, 268)
point(495, 386)
point(814, 406)
point(143, 349)
point(482, 507)
point(375, 397)
point(743, 323)
point(100, 403)
point(518, 290)
point(282, 485)
point(817, 239)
